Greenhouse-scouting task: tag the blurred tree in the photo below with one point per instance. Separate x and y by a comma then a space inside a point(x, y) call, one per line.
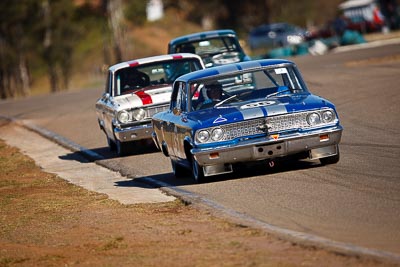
point(244, 15)
point(118, 13)
point(16, 46)
point(115, 18)
point(35, 29)
point(135, 12)
point(59, 36)
point(37, 33)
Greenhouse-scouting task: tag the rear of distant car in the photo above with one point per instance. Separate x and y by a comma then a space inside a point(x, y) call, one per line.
point(275, 35)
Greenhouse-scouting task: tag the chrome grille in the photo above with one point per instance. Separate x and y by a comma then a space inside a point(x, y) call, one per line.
point(150, 111)
point(244, 128)
point(268, 125)
point(287, 122)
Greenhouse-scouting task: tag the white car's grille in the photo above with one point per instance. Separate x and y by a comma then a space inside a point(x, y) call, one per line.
point(150, 111)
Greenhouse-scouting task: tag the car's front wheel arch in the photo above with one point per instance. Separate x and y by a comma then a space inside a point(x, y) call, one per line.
point(197, 170)
point(188, 147)
point(164, 149)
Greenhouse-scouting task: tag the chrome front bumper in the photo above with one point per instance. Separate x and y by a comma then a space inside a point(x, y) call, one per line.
point(133, 133)
point(320, 144)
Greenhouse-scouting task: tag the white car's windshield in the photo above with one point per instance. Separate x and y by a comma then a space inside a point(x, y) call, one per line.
point(130, 79)
point(261, 84)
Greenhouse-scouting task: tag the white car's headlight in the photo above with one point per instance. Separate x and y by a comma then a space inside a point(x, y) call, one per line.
point(313, 119)
point(124, 116)
point(139, 114)
point(203, 136)
point(328, 116)
point(217, 134)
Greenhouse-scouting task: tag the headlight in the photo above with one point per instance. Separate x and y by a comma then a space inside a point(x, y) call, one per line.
point(313, 119)
point(203, 136)
point(217, 134)
point(139, 114)
point(124, 116)
point(327, 116)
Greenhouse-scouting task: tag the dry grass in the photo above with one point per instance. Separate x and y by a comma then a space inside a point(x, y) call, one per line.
point(46, 221)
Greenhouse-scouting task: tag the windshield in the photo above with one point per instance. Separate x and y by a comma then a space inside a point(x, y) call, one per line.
point(261, 84)
point(209, 49)
point(131, 79)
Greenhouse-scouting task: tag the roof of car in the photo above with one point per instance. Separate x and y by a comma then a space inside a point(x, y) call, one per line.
point(202, 35)
point(229, 68)
point(140, 61)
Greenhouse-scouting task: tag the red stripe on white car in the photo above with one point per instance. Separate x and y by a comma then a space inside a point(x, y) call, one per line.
point(146, 98)
point(133, 64)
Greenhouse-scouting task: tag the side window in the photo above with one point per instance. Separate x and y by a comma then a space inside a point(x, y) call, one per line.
point(108, 86)
point(181, 97)
point(176, 97)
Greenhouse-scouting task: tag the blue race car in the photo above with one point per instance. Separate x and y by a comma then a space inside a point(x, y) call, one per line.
point(243, 112)
point(216, 48)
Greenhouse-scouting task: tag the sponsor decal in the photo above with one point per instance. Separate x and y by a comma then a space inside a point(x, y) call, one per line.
point(258, 104)
point(281, 71)
point(219, 120)
point(275, 136)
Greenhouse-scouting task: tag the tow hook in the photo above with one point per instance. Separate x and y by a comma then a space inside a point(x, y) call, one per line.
point(271, 163)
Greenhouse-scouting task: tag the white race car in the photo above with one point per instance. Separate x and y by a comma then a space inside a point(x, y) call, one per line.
point(136, 90)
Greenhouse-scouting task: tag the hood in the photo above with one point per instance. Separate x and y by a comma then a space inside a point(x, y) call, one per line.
point(236, 112)
point(151, 95)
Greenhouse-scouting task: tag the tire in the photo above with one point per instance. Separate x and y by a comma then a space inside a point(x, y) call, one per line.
point(197, 171)
point(331, 160)
point(122, 148)
point(178, 170)
point(111, 144)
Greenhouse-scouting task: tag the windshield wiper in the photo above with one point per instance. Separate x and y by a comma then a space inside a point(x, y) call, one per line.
point(277, 93)
point(225, 100)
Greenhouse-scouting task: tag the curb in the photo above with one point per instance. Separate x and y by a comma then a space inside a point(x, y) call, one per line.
point(215, 208)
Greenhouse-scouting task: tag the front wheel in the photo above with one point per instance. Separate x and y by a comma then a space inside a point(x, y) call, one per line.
point(122, 148)
point(178, 170)
point(111, 144)
point(197, 171)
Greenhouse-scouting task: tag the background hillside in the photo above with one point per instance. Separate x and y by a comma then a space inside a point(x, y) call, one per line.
point(52, 45)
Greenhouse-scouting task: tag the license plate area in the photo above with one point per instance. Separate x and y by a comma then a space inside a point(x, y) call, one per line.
point(270, 150)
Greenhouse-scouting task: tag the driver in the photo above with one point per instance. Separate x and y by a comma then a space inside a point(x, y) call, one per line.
point(211, 94)
point(137, 80)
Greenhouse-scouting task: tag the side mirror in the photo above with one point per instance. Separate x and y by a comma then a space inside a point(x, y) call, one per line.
point(106, 96)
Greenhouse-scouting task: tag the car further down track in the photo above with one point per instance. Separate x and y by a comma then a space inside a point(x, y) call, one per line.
point(218, 47)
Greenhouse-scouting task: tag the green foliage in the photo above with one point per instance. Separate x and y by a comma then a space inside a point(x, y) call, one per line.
point(17, 31)
point(135, 12)
point(53, 35)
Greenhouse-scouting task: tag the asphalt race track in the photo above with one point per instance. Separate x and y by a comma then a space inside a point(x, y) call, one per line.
point(355, 202)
